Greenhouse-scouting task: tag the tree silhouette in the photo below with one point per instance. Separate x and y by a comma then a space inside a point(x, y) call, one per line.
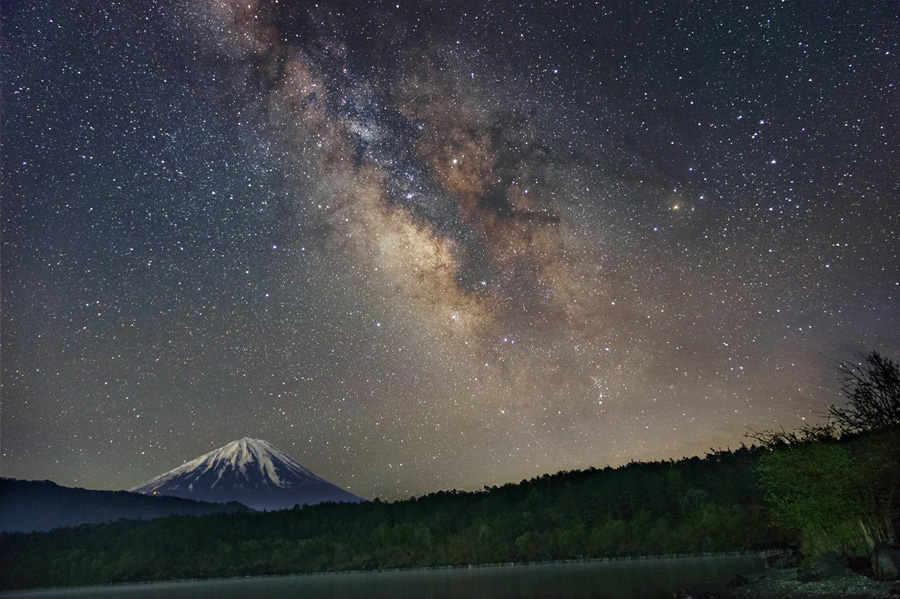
point(873, 392)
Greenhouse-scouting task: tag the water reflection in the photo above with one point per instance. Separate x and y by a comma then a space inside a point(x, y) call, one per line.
point(632, 579)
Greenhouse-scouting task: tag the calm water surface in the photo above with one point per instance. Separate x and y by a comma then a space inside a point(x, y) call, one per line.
point(632, 579)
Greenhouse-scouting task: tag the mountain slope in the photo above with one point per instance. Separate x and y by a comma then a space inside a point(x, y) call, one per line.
point(33, 505)
point(251, 471)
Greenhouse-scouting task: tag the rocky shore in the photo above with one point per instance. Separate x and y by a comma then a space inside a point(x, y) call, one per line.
point(784, 584)
point(827, 577)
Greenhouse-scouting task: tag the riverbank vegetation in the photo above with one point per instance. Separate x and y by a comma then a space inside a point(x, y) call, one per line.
point(835, 487)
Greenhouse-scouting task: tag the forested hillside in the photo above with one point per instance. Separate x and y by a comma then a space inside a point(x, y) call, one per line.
point(716, 503)
point(828, 488)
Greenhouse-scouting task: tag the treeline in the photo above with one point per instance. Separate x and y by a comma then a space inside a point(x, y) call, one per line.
point(692, 505)
point(831, 487)
point(824, 494)
point(835, 494)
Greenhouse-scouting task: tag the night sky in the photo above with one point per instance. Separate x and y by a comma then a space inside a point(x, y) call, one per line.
point(437, 245)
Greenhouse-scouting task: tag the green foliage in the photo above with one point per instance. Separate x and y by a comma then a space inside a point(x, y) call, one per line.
point(689, 506)
point(837, 485)
point(828, 494)
point(834, 495)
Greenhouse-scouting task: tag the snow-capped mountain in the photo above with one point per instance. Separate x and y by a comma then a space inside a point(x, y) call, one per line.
point(250, 471)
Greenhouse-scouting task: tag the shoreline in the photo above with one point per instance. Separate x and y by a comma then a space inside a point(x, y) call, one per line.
point(763, 554)
point(784, 584)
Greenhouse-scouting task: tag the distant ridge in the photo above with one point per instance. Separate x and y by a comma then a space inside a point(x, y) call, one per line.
point(251, 471)
point(38, 505)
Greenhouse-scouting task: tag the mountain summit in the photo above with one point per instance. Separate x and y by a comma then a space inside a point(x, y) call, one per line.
point(251, 471)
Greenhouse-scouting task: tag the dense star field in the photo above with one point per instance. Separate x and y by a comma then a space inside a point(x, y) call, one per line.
point(429, 245)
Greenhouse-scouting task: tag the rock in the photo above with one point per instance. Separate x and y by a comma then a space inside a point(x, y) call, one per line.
point(886, 561)
point(789, 558)
point(827, 565)
point(737, 581)
point(861, 565)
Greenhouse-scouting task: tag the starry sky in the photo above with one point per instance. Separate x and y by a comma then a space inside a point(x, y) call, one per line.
point(436, 245)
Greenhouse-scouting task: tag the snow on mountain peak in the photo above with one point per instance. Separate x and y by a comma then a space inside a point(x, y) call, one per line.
point(242, 456)
point(252, 471)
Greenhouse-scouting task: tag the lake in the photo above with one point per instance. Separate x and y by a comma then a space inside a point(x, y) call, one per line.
point(623, 579)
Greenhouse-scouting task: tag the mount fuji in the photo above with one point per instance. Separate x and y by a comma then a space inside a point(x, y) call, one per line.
point(250, 471)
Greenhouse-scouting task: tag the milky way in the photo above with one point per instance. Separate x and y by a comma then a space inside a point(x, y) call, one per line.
point(423, 246)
